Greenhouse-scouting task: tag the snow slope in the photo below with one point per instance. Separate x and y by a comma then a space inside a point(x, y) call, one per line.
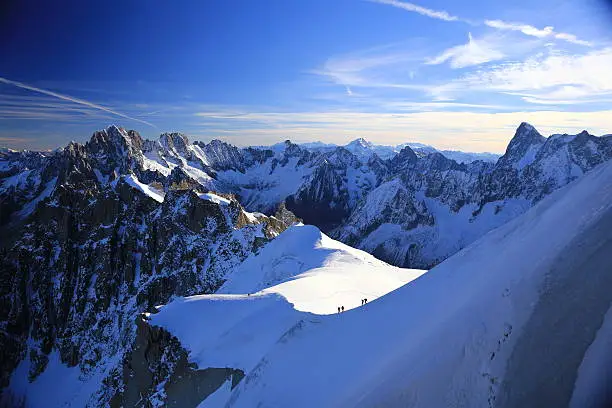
point(479, 329)
point(57, 383)
point(155, 194)
point(316, 273)
point(312, 274)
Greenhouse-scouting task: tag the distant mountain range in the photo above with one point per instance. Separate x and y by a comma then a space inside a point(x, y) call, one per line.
point(364, 150)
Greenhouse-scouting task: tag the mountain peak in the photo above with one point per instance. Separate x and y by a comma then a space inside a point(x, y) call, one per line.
point(115, 137)
point(584, 133)
point(523, 147)
point(115, 132)
point(175, 140)
point(114, 129)
point(526, 133)
point(361, 142)
point(525, 126)
point(405, 158)
point(213, 143)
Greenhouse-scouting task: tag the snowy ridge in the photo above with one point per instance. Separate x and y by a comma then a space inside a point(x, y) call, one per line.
point(315, 273)
point(311, 275)
point(214, 198)
point(149, 191)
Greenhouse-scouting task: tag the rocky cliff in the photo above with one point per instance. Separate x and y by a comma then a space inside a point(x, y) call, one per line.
point(95, 237)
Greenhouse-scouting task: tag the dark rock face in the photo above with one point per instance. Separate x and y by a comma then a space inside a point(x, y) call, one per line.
point(405, 159)
point(177, 142)
point(157, 371)
point(324, 200)
point(338, 181)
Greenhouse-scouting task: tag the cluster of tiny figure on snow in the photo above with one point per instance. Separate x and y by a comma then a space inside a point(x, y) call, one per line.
point(363, 302)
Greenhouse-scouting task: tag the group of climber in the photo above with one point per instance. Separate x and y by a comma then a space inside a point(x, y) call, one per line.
point(341, 308)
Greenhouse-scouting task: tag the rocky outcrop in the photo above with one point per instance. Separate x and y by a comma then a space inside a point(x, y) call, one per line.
point(157, 372)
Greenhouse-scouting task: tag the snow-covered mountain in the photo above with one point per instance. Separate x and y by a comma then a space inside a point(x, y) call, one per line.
point(519, 318)
point(93, 238)
point(433, 206)
point(94, 234)
point(364, 149)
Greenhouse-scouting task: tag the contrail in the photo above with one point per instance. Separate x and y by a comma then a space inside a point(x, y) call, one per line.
point(72, 99)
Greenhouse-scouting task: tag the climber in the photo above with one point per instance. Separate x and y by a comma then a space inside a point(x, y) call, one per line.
point(338, 309)
point(343, 308)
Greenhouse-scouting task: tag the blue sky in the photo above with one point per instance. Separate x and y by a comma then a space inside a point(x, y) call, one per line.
point(458, 75)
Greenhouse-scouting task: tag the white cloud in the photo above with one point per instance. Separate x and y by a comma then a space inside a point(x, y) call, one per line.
point(440, 15)
point(573, 39)
point(587, 73)
point(72, 99)
point(535, 32)
point(524, 28)
point(544, 78)
point(472, 53)
point(380, 67)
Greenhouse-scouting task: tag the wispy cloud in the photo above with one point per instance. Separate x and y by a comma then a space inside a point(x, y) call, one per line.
point(555, 76)
point(404, 67)
point(573, 39)
point(472, 53)
point(536, 32)
point(440, 15)
point(73, 100)
point(547, 78)
point(12, 140)
point(373, 68)
point(526, 29)
point(43, 107)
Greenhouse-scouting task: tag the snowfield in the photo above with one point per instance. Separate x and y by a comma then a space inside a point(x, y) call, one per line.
point(505, 322)
point(300, 274)
point(316, 273)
